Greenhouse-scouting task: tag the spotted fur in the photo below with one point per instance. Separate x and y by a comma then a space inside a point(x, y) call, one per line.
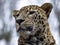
point(32, 24)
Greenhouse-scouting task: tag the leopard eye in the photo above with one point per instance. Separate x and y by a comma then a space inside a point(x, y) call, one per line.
point(31, 12)
point(17, 15)
point(19, 21)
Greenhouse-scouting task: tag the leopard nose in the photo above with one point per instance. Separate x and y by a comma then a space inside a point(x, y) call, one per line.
point(19, 21)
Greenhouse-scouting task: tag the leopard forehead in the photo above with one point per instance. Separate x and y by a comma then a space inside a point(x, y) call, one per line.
point(24, 10)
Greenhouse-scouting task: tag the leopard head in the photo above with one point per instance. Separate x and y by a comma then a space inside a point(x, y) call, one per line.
point(32, 18)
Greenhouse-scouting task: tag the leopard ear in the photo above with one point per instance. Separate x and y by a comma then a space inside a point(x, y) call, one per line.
point(15, 13)
point(47, 7)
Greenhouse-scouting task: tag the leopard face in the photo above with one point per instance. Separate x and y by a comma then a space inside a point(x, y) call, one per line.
point(33, 20)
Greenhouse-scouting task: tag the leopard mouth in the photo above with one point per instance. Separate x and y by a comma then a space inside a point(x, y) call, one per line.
point(29, 28)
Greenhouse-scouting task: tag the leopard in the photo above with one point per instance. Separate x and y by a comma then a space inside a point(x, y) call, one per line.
point(32, 25)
